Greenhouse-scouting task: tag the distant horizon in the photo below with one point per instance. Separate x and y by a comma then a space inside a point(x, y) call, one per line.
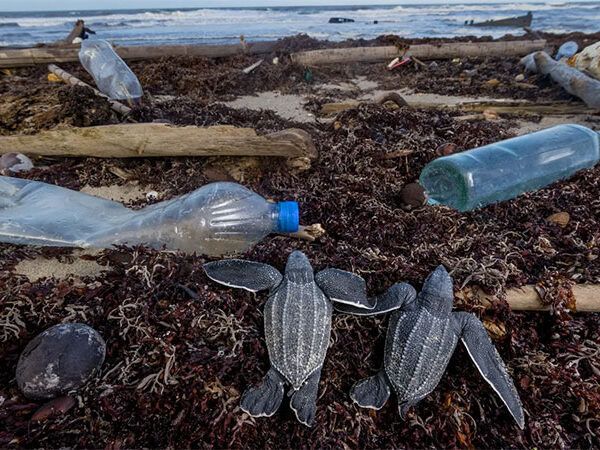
point(186, 4)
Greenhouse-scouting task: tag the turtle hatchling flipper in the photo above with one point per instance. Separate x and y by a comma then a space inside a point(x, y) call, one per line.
point(304, 400)
point(371, 392)
point(265, 399)
point(398, 296)
point(344, 287)
point(238, 273)
point(488, 361)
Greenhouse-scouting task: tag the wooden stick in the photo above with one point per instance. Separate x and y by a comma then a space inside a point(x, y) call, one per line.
point(46, 55)
point(587, 298)
point(571, 79)
point(307, 233)
point(159, 139)
point(249, 69)
point(67, 77)
point(552, 109)
point(421, 51)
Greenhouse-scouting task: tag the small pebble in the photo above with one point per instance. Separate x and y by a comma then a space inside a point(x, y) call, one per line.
point(412, 196)
point(520, 77)
point(152, 196)
point(60, 359)
point(15, 162)
point(276, 60)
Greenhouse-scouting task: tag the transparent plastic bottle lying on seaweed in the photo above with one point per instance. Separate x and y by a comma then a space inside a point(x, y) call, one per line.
point(505, 169)
point(112, 76)
point(216, 219)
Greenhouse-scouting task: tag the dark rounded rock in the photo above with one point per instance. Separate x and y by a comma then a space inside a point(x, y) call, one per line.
point(60, 359)
point(412, 196)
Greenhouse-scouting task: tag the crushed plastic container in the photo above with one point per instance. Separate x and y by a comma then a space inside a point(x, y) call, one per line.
point(505, 169)
point(112, 76)
point(566, 50)
point(216, 219)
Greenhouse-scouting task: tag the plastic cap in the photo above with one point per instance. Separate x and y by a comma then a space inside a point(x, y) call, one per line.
point(288, 217)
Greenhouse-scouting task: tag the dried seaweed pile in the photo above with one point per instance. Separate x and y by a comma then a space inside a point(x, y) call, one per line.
point(181, 349)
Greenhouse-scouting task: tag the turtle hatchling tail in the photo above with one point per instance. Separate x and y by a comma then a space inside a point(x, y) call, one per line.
point(264, 400)
point(371, 392)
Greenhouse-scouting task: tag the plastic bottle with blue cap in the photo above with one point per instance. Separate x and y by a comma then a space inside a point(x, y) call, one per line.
point(505, 169)
point(216, 219)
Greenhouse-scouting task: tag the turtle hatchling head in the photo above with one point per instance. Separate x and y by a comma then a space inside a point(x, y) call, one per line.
point(437, 293)
point(298, 268)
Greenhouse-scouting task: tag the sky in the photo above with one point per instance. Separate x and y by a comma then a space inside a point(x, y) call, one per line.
point(61, 5)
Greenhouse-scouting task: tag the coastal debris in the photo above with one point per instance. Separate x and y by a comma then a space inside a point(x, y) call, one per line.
point(566, 50)
point(10, 58)
point(571, 79)
point(499, 106)
point(588, 61)
point(398, 63)
point(308, 232)
point(249, 69)
point(111, 74)
point(475, 178)
point(159, 139)
point(74, 81)
point(14, 163)
point(215, 219)
point(55, 407)
point(527, 298)
point(60, 359)
point(422, 51)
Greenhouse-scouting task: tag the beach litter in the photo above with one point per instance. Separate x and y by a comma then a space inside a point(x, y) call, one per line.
point(503, 170)
point(111, 74)
point(216, 219)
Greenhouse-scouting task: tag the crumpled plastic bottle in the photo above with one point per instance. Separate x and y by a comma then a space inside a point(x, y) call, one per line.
point(112, 76)
point(216, 219)
point(505, 169)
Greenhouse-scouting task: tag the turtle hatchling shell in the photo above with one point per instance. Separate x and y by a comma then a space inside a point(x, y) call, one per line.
point(59, 360)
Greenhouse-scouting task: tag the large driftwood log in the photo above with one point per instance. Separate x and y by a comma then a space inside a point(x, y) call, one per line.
point(587, 298)
point(572, 80)
point(159, 139)
point(46, 55)
point(67, 77)
point(421, 51)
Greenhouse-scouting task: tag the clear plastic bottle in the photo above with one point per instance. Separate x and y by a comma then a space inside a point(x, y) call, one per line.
point(505, 169)
point(112, 76)
point(216, 219)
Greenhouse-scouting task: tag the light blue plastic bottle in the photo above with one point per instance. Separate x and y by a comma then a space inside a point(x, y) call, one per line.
point(216, 219)
point(505, 169)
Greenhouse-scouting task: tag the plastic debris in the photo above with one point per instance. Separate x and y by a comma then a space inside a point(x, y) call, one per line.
point(112, 76)
point(588, 60)
point(505, 169)
point(566, 50)
point(216, 219)
point(14, 163)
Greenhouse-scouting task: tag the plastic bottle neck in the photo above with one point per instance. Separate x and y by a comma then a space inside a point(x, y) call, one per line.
point(286, 217)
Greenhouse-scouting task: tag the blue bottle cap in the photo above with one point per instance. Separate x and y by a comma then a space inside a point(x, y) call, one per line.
point(288, 217)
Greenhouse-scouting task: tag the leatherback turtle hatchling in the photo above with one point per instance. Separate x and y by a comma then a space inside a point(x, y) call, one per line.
point(421, 338)
point(297, 319)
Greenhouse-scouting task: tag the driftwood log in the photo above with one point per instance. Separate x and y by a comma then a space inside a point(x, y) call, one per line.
point(502, 107)
point(46, 55)
point(572, 80)
point(421, 51)
point(159, 139)
point(68, 78)
point(587, 298)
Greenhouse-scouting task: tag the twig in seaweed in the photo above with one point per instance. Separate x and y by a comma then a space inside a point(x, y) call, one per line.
point(10, 319)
